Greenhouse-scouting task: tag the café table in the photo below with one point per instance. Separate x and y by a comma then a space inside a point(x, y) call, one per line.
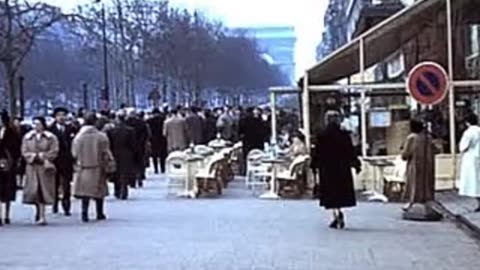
point(379, 165)
point(272, 194)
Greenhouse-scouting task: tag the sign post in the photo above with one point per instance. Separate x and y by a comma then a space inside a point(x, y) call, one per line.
point(427, 84)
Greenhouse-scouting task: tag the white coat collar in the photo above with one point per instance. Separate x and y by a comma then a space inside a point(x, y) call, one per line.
point(31, 134)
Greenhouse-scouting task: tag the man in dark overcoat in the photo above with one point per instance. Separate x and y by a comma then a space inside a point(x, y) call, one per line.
point(251, 133)
point(123, 147)
point(194, 126)
point(141, 139)
point(158, 140)
point(64, 161)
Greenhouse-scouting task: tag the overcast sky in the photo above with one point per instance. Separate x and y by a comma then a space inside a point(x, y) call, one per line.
point(305, 15)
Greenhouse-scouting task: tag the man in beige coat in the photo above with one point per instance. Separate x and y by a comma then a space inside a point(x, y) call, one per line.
point(175, 130)
point(91, 151)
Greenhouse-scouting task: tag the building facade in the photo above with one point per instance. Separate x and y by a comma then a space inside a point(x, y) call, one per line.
point(335, 28)
point(346, 19)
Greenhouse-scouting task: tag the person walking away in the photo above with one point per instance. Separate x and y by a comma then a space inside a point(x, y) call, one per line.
point(470, 168)
point(334, 157)
point(194, 126)
point(142, 137)
point(236, 115)
point(249, 129)
point(210, 127)
point(64, 160)
point(418, 152)
point(158, 141)
point(225, 125)
point(122, 145)
point(40, 149)
point(10, 141)
point(91, 151)
point(175, 130)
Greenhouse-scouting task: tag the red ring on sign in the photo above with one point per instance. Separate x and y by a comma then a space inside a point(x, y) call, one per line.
point(417, 73)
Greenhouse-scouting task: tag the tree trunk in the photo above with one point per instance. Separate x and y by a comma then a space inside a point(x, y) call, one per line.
point(10, 74)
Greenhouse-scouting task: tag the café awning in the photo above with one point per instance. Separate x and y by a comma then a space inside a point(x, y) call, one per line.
point(380, 42)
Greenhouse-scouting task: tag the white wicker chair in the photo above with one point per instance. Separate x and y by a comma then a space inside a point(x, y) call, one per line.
point(291, 173)
point(176, 164)
point(256, 170)
point(203, 150)
point(209, 174)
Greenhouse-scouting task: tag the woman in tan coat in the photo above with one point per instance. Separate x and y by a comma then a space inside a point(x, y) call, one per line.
point(39, 148)
point(419, 153)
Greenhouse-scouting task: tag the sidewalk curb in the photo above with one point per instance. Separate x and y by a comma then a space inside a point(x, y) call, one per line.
point(460, 220)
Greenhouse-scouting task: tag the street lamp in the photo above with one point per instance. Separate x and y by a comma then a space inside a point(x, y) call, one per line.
point(106, 88)
point(85, 96)
point(21, 85)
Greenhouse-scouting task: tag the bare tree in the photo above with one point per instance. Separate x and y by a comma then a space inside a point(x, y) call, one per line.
point(20, 24)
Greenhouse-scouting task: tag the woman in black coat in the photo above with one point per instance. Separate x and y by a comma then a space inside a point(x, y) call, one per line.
point(9, 154)
point(334, 157)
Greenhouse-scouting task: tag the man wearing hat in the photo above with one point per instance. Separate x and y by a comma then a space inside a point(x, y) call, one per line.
point(64, 162)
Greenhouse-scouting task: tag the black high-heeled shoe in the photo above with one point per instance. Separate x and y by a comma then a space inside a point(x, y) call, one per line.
point(334, 224)
point(7, 221)
point(341, 221)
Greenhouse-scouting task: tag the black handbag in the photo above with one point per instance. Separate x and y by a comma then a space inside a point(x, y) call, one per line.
point(5, 163)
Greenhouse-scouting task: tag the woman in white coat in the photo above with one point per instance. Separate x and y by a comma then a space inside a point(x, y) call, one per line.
point(470, 168)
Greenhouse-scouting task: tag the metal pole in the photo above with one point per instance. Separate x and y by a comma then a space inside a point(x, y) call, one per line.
point(106, 87)
point(306, 112)
point(21, 81)
point(274, 116)
point(363, 116)
point(453, 140)
point(85, 96)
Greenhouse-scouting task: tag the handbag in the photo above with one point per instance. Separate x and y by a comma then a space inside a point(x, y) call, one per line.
point(5, 163)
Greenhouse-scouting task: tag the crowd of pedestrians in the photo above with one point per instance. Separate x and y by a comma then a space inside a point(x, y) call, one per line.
point(77, 154)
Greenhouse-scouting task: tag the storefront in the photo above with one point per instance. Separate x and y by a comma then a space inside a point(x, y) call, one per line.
point(443, 31)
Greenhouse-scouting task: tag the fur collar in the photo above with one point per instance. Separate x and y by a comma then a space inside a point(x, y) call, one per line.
point(31, 134)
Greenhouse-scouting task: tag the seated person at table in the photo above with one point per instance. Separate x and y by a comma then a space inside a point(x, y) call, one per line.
point(298, 147)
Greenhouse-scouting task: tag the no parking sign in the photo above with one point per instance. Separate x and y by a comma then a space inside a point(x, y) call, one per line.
point(428, 83)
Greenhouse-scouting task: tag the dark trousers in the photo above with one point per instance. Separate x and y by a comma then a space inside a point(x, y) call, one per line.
point(156, 160)
point(64, 183)
point(99, 205)
point(121, 187)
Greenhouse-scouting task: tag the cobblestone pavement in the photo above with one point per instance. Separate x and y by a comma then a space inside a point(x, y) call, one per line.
point(236, 232)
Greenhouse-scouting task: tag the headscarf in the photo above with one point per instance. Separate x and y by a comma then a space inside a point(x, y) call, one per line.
point(333, 118)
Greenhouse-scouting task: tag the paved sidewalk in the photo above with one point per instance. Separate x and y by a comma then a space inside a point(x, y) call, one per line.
point(234, 232)
point(461, 208)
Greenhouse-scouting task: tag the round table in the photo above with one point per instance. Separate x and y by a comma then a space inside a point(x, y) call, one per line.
point(271, 194)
